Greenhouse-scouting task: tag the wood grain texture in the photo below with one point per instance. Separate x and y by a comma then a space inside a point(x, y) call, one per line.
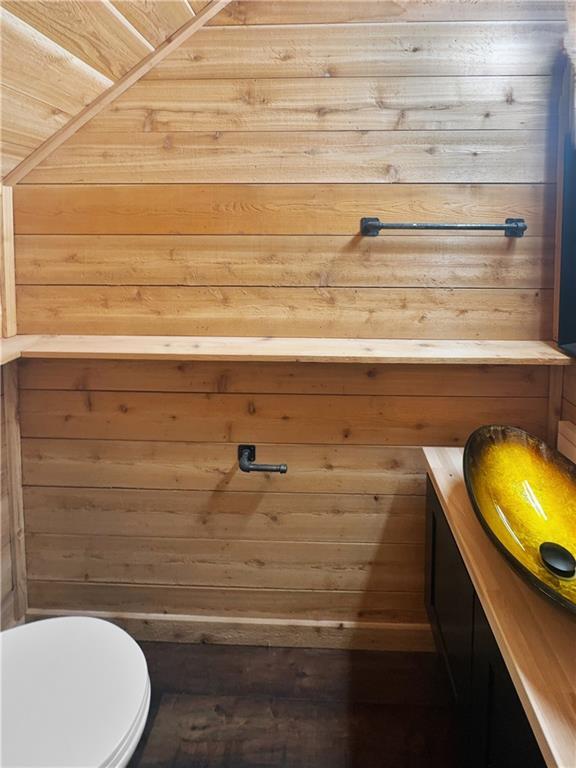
point(225, 516)
point(134, 499)
point(328, 104)
point(155, 19)
point(93, 32)
point(247, 12)
point(106, 96)
point(42, 87)
point(310, 677)
point(6, 584)
point(11, 348)
point(450, 262)
point(6, 572)
point(7, 264)
point(4, 507)
point(314, 312)
point(37, 67)
point(283, 378)
point(556, 378)
point(229, 603)
point(271, 209)
point(285, 565)
point(307, 728)
point(349, 419)
point(214, 466)
point(344, 157)
point(374, 50)
point(13, 468)
point(26, 122)
point(266, 349)
point(349, 635)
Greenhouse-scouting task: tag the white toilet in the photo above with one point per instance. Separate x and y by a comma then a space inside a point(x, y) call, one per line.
point(75, 694)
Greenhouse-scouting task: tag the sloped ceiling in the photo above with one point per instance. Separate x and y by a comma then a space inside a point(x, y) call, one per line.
point(57, 56)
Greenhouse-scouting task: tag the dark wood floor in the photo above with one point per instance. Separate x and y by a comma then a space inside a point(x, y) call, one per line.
point(239, 707)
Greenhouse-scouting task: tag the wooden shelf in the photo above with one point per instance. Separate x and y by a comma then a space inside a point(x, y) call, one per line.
point(264, 349)
point(12, 348)
point(535, 637)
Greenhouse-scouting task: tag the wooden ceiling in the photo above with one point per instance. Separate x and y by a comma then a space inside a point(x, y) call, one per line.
point(58, 56)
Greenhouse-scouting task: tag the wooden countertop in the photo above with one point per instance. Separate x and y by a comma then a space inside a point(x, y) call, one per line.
point(265, 349)
point(536, 638)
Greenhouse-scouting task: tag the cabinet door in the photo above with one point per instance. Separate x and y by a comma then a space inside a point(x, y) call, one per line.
point(449, 599)
point(501, 732)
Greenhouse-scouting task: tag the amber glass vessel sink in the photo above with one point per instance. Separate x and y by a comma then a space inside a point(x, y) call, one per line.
point(524, 494)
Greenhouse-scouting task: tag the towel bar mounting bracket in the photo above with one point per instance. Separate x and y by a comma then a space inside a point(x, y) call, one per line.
point(247, 457)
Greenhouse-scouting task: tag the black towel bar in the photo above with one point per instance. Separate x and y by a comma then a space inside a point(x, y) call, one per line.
point(371, 227)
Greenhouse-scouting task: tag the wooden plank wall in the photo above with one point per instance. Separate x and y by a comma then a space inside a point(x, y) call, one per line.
point(134, 502)
point(222, 196)
point(58, 57)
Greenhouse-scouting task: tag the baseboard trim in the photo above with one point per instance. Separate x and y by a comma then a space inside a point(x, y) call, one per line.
point(217, 630)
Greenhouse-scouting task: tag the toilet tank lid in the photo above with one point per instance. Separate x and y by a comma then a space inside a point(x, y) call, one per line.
point(72, 688)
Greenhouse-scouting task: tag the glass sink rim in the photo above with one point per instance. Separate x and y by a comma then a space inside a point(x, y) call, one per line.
point(558, 457)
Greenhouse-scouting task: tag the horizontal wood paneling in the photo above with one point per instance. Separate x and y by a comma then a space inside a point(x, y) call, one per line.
point(301, 157)
point(304, 261)
point(226, 516)
point(330, 312)
point(214, 466)
point(328, 104)
point(42, 86)
point(270, 209)
point(26, 122)
point(373, 50)
point(222, 196)
point(197, 562)
point(286, 378)
point(231, 602)
point(60, 56)
point(310, 419)
point(354, 11)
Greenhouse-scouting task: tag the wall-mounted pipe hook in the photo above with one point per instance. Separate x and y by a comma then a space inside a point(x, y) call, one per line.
point(247, 457)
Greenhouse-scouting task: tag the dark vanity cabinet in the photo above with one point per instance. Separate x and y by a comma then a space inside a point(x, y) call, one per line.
point(494, 730)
